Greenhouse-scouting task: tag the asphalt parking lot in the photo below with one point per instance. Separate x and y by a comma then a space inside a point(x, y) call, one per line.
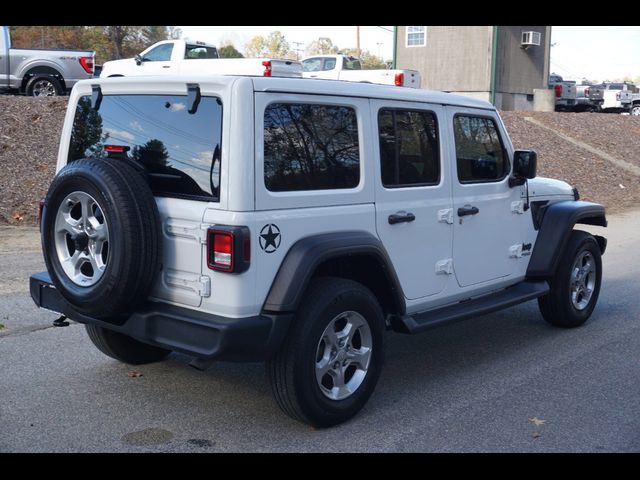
point(504, 382)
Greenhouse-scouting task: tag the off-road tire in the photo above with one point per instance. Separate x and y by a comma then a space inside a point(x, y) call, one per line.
point(292, 371)
point(557, 307)
point(135, 248)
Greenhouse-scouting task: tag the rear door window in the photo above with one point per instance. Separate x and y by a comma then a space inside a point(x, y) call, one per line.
point(179, 151)
point(409, 152)
point(312, 65)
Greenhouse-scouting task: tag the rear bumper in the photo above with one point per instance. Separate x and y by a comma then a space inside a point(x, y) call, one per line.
point(201, 335)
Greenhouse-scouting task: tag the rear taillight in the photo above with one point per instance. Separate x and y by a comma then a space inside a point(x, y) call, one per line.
point(267, 68)
point(228, 249)
point(618, 96)
point(399, 80)
point(558, 89)
point(87, 64)
point(40, 209)
point(586, 92)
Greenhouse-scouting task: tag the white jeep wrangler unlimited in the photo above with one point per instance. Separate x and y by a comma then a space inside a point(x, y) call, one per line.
point(294, 221)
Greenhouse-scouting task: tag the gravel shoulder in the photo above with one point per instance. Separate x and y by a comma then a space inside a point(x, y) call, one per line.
point(30, 132)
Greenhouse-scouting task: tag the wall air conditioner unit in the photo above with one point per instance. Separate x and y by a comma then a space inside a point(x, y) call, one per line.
point(530, 38)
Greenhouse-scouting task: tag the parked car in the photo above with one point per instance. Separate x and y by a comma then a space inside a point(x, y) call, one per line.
point(40, 72)
point(630, 100)
point(565, 92)
point(297, 220)
point(344, 67)
point(583, 102)
point(607, 96)
point(171, 57)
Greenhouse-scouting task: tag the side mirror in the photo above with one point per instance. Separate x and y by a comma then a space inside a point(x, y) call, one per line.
point(138, 58)
point(524, 166)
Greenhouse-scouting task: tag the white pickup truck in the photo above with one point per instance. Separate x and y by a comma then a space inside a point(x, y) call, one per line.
point(609, 96)
point(344, 67)
point(195, 57)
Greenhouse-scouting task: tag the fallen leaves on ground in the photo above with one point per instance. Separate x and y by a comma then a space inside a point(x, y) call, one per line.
point(134, 374)
point(537, 421)
point(536, 434)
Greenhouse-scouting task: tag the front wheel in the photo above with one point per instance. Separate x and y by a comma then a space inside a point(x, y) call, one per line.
point(576, 285)
point(331, 360)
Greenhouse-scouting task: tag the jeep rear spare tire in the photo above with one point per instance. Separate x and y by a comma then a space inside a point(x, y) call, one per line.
point(101, 236)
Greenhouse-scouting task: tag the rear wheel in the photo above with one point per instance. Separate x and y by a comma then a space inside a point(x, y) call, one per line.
point(124, 348)
point(635, 110)
point(41, 85)
point(332, 358)
point(576, 285)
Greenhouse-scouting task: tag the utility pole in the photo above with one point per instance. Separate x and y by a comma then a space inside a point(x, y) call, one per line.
point(380, 51)
point(358, 40)
point(297, 49)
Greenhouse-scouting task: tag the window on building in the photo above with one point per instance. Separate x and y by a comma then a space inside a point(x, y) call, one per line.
point(480, 154)
point(409, 152)
point(416, 36)
point(310, 147)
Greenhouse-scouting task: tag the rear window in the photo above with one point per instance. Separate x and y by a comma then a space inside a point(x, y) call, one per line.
point(198, 51)
point(180, 151)
point(310, 147)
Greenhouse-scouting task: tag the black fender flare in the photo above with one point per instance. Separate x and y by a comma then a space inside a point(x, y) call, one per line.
point(304, 257)
point(557, 223)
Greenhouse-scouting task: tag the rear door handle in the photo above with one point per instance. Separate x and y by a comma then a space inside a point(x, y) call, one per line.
point(401, 217)
point(467, 210)
point(166, 66)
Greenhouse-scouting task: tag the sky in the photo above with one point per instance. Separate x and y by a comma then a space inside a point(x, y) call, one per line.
point(597, 53)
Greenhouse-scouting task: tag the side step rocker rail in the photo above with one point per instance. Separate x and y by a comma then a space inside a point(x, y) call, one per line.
point(522, 292)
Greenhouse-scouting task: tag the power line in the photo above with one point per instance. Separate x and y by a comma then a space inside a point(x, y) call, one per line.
point(385, 29)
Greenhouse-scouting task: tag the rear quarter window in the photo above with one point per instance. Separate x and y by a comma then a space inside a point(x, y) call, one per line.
point(179, 151)
point(310, 147)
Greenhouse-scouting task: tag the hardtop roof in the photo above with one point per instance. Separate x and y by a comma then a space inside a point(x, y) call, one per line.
point(312, 86)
